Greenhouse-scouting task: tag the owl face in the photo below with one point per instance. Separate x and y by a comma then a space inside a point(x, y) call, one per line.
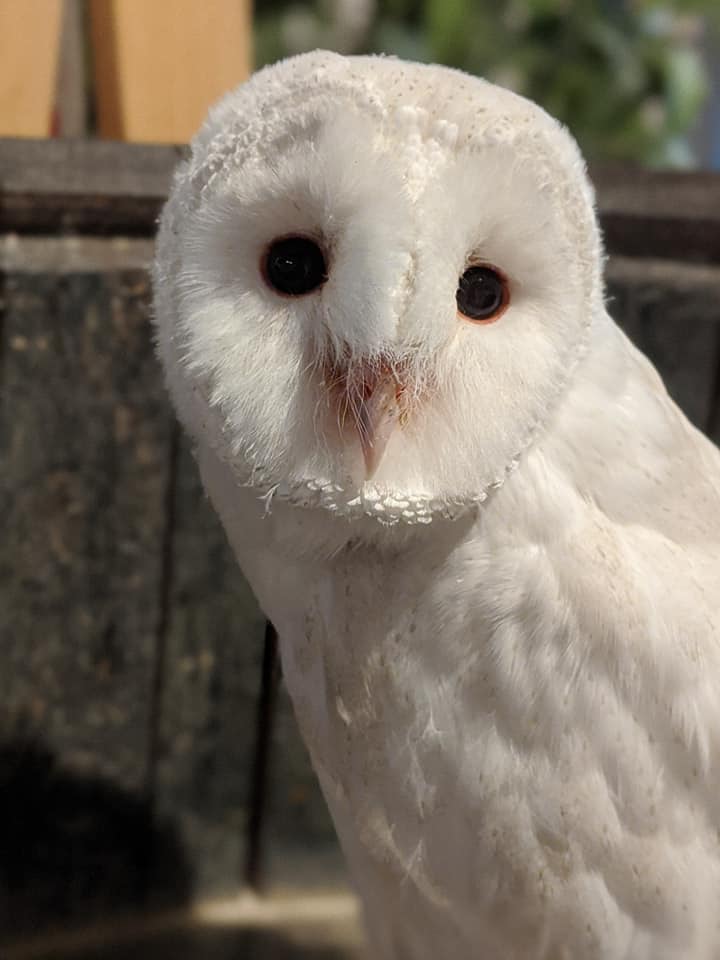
point(373, 282)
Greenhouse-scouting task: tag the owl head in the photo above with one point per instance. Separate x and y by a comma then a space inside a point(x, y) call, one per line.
point(373, 282)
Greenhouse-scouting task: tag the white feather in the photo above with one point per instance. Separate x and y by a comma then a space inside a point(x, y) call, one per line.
point(504, 649)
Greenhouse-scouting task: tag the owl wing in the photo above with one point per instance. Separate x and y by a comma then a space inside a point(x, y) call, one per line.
point(619, 686)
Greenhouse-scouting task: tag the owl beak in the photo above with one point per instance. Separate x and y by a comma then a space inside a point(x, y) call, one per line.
point(376, 417)
point(368, 396)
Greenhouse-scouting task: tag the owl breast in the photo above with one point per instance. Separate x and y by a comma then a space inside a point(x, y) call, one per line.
point(492, 781)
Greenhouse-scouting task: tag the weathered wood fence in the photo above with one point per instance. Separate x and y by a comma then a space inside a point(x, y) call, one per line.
point(130, 647)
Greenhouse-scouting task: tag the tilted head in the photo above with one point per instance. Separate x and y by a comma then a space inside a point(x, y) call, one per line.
point(373, 282)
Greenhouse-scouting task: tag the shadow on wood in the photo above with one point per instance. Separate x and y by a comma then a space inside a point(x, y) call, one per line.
point(78, 847)
point(210, 943)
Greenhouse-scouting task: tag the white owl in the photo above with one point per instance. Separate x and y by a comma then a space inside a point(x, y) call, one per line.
point(488, 539)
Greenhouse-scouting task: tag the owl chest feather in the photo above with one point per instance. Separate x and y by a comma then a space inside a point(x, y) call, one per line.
point(485, 767)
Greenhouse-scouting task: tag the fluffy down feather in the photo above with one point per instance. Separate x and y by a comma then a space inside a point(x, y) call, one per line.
point(503, 648)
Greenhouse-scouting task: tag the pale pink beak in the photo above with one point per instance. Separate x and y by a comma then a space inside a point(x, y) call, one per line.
point(376, 418)
point(369, 399)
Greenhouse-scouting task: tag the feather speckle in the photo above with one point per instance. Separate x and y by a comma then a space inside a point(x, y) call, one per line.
point(502, 641)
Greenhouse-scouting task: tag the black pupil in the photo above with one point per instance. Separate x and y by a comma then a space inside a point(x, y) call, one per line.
point(480, 293)
point(295, 266)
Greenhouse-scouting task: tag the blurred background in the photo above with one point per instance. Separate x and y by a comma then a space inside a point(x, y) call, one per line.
point(635, 80)
point(155, 797)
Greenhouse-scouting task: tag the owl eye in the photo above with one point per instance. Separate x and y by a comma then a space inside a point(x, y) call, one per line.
point(294, 266)
point(482, 294)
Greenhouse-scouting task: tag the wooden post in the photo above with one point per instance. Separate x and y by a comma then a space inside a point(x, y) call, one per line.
point(159, 66)
point(71, 104)
point(30, 30)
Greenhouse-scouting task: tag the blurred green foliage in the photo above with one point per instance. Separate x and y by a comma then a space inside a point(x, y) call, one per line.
point(627, 76)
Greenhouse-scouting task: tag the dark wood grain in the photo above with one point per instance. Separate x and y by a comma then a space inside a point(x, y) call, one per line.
point(85, 430)
point(211, 682)
point(679, 195)
point(129, 650)
point(92, 214)
point(657, 234)
point(672, 312)
point(101, 168)
point(81, 186)
point(84, 448)
point(659, 213)
point(301, 849)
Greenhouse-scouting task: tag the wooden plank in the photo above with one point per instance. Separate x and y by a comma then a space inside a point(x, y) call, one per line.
point(73, 254)
point(667, 214)
point(672, 312)
point(210, 689)
point(90, 215)
point(656, 235)
point(86, 168)
point(105, 188)
point(159, 66)
point(72, 89)
point(675, 194)
point(301, 848)
point(53, 186)
point(28, 66)
point(84, 434)
point(81, 167)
